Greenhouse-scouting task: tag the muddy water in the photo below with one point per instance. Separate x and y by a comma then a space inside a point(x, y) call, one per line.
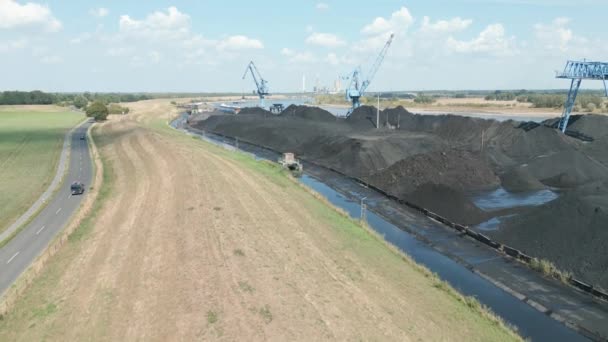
point(530, 323)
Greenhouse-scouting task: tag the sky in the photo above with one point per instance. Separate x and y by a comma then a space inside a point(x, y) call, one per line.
point(205, 46)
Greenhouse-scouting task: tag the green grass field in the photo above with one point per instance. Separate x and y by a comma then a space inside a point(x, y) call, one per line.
point(30, 146)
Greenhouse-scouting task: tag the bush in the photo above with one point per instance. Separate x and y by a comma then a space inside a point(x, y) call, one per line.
point(114, 108)
point(97, 110)
point(585, 100)
point(547, 101)
point(424, 99)
point(591, 107)
point(500, 96)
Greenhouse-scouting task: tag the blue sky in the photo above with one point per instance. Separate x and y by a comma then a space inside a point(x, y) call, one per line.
point(204, 46)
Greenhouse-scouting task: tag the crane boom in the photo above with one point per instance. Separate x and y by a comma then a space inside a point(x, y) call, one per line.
point(260, 83)
point(377, 63)
point(357, 88)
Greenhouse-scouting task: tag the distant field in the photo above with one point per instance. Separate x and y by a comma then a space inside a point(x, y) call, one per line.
point(30, 145)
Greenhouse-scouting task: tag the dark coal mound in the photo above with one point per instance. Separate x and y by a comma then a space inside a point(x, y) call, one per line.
point(365, 117)
point(435, 160)
point(447, 202)
point(592, 125)
point(571, 231)
point(458, 169)
point(254, 111)
point(520, 179)
point(308, 113)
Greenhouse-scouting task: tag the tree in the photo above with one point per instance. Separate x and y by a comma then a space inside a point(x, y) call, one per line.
point(97, 110)
point(80, 102)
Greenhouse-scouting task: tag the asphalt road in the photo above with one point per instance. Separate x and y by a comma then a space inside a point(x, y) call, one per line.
point(20, 252)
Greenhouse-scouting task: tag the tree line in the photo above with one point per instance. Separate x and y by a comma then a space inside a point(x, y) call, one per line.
point(545, 100)
point(37, 97)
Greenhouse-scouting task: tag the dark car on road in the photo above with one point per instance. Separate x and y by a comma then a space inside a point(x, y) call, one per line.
point(77, 188)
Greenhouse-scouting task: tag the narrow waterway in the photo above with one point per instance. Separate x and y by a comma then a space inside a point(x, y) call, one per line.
point(530, 323)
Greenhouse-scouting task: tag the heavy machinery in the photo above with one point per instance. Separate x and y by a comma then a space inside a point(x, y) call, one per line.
point(578, 71)
point(289, 161)
point(358, 84)
point(260, 83)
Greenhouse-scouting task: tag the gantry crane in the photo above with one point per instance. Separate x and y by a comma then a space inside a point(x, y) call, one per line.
point(260, 83)
point(357, 87)
point(578, 71)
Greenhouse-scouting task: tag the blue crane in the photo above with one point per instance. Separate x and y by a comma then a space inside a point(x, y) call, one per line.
point(578, 71)
point(260, 83)
point(357, 87)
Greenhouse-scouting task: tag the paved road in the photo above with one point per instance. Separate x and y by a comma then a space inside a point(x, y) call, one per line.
point(19, 253)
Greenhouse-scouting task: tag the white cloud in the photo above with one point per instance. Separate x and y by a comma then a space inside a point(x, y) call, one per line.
point(325, 39)
point(13, 45)
point(99, 12)
point(239, 42)
point(159, 25)
point(287, 52)
point(321, 6)
point(296, 57)
point(555, 36)
point(399, 21)
point(16, 15)
point(168, 33)
point(492, 40)
point(444, 26)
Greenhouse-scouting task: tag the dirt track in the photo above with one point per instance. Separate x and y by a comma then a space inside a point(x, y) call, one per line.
point(192, 246)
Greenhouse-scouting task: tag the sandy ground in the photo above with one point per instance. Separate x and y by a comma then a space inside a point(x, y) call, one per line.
point(192, 246)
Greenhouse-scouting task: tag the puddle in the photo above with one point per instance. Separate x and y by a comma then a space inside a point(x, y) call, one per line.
point(502, 199)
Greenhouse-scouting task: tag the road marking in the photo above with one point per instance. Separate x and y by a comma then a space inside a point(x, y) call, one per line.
point(39, 230)
point(70, 195)
point(58, 210)
point(11, 259)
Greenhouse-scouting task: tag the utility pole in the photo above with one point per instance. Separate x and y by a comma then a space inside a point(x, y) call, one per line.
point(378, 113)
point(363, 207)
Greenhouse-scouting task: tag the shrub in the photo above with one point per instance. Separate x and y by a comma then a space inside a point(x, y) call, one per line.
point(424, 99)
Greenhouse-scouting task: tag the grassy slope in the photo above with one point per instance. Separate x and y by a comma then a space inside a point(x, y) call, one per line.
point(30, 146)
point(433, 298)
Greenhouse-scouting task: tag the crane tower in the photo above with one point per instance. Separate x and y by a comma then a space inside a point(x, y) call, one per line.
point(578, 71)
point(260, 83)
point(358, 85)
